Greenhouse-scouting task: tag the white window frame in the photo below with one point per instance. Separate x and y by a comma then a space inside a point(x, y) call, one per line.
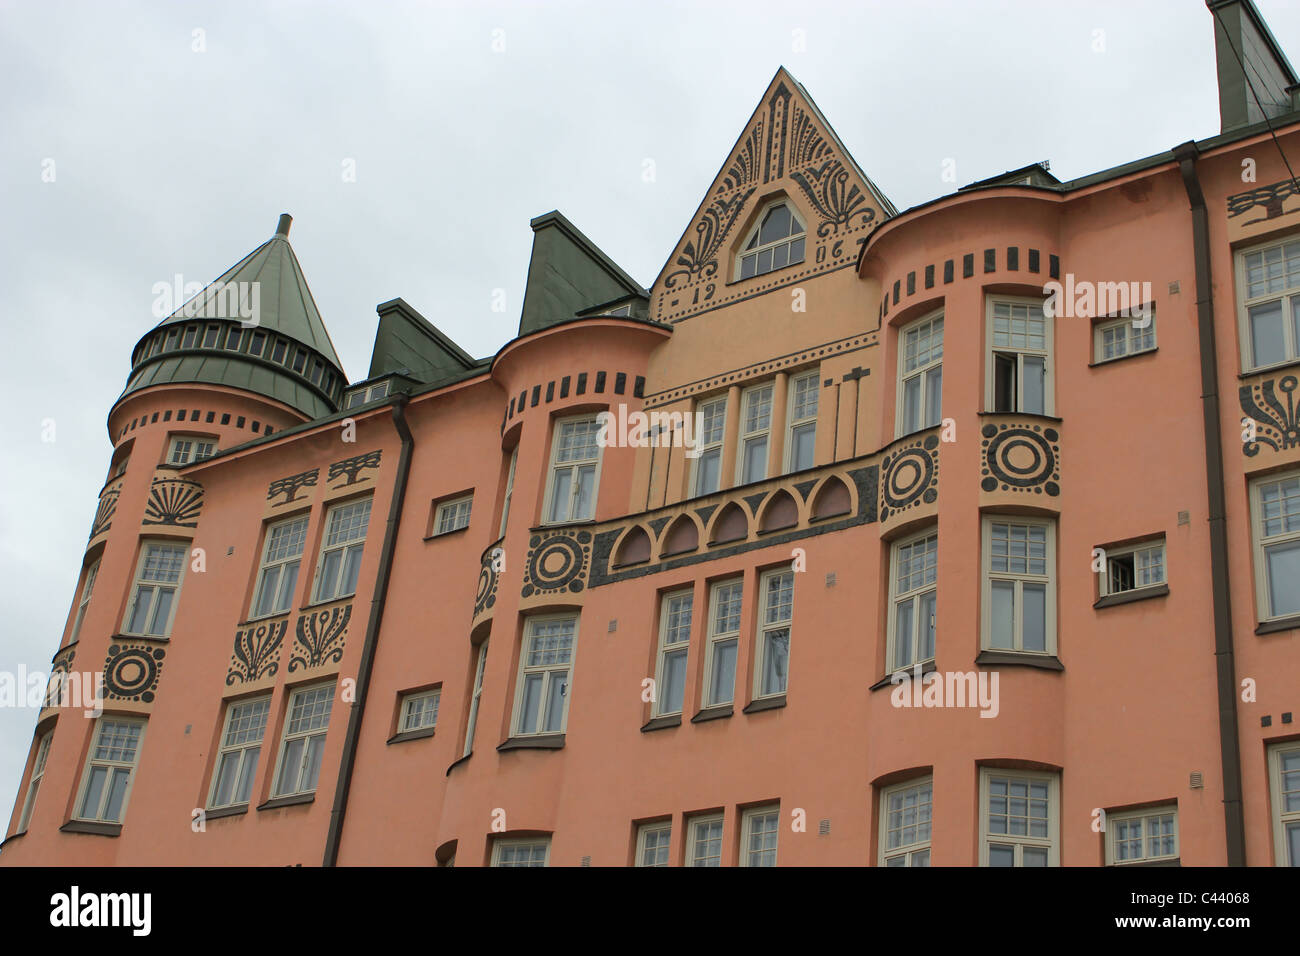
point(155, 587)
point(799, 420)
point(799, 238)
point(1281, 819)
point(1245, 302)
point(773, 617)
point(111, 766)
point(1051, 842)
point(671, 606)
point(922, 372)
point(710, 444)
point(1135, 341)
point(693, 825)
point(280, 565)
point(575, 468)
point(427, 716)
point(663, 837)
point(719, 637)
point(988, 576)
point(1047, 353)
point(196, 448)
point(1105, 586)
point(1117, 821)
point(87, 592)
point(246, 752)
point(550, 674)
point(1263, 543)
point(34, 783)
point(915, 596)
point(324, 589)
point(764, 433)
point(312, 737)
point(500, 844)
point(454, 513)
point(476, 694)
point(751, 855)
point(918, 851)
point(510, 490)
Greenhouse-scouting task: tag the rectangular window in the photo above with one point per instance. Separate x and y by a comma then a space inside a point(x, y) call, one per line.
point(278, 351)
point(87, 589)
point(257, 343)
point(1276, 526)
point(156, 588)
point(724, 637)
point(34, 785)
point(532, 852)
point(510, 490)
point(1284, 786)
point(340, 557)
point(377, 391)
point(191, 335)
point(708, 466)
point(420, 711)
point(1019, 585)
point(357, 398)
point(704, 841)
point(1268, 286)
point(113, 757)
point(920, 375)
point(575, 464)
point(1020, 821)
point(801, 442)
point(304, 740)
point(905, 817)
point(210, 336)
point(299, 360)
point(1120, 337)
point(759, 828)
point(542, 699)
point(317, 370)
point(241, 746)
point(475, 696)
point(452, 515)
point(1132, 568)
point(652, 842)
point(233, 338)
point(1142, 836)
point(772, 667)
point(913, 583)
point(675, 611)
point(172, 337)
point(755, 422)
point(281, 556)
point(184, 449)
point(1018, 373)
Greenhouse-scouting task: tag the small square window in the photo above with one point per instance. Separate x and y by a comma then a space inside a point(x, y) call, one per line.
point(452, 515)
point(420, 710)
point(905, 820)
point(704, 840)
point(1132, 568)
point(652, 843)
point(759, 827)
point(533, 852)
point(1142, 836)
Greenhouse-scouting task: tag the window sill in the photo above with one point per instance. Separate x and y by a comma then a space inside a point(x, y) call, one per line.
point(712, 713)
point(265, 618)
point(552, 525)
point(235, 811)
point(456, 763)
point(1128, 597)
point(1146, 863)
point(533, 742)
point(775, 702)
point(406, 735)
point(661, 723)
point(1046, 418)
point(1120, 358)
point(445, 534)
point(1047, 662)
point(927, 667)
point(1279, 624)
point(319, 604)
point(1270, 369)
point(292, 800)
point(139, 637)
point(95, 829)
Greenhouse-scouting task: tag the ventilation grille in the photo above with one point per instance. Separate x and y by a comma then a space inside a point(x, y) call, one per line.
point(1197, 781)
point(824, 828)
point(586, 861)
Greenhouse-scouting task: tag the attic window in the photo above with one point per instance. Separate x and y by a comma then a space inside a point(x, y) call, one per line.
point(776, 242)
point(621, 310)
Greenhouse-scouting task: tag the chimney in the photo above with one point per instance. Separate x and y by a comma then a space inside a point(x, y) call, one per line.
point(1244, 49)
point(283, 228)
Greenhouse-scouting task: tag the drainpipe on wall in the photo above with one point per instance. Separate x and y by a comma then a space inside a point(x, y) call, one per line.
point(1229, 742)
point(377, 603)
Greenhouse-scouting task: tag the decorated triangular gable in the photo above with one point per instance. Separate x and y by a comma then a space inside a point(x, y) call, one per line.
point(787, 148)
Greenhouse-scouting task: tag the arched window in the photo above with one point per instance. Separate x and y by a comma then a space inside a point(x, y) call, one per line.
point(776, 242)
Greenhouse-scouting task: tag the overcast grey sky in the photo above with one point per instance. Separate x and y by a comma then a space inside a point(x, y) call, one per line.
point(170, 160)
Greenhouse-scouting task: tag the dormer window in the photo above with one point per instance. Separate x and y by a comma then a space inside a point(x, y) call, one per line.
point(776, 242)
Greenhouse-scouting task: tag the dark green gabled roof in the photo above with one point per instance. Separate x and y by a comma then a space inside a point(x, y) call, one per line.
point(568, 274)
point(408, 343)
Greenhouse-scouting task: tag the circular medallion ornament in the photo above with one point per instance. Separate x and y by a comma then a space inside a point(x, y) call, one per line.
point(131, 672)
point(909, 476)
point(1021, 458)
point(557, 563)
point(486, 595)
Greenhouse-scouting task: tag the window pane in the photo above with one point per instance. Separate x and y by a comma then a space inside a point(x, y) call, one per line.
point(912, 404)
point(585, 506)
point(140, 612)
point(708, 469)
point(796, 250)
point(724, 672)
point(1002, 854)
point(227, 772)
point(805, 439)
point(1267, 340)
point(561, 490)
point(903, 623)
point(1004, 383)
point(94, 791)
point(315, 749)
point(247, 770)
point(287, 585)
point(532, 701)
point(117, 795)
point(1034, 385)
point(267, 590)
point(776, 661)
point(1035, 598)
point(351, 568)
point(933, 396)
point(1293, 844)
point(161, 611)
point(1002, 614)
point(289, 767)
point(329, 573)
point(555, 701)
point(755, 465)
point(776, 225)
point(1284, 578)
point(765, 261)
point(1034, 856)
point(925, 650)
point(674, 681)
